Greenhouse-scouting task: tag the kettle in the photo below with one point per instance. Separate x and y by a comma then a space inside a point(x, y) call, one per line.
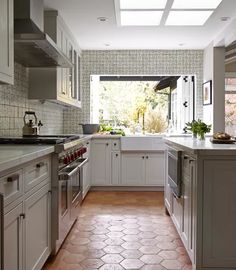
point(30, 128)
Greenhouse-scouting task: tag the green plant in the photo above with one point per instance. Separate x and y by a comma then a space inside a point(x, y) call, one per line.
point(198, 128)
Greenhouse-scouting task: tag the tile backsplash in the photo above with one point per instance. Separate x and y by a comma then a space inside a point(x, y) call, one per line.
point(134, 62)
point(14, 102)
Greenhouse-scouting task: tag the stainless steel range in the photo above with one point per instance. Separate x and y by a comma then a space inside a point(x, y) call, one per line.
point(67, 179)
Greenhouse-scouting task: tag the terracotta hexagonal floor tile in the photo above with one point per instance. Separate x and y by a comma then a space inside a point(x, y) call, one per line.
point(100, 231)
point(96, 245)
point(169, 254)
point(184, 259)
point(115, 234)
point(113, 249)
point(80, 241)
point(172, 264)
point(114, 241)
point(94, 253)
point(73, 258)
point(187, 267)
point(181, 250)
point(92, 263)
point(131, 226)
point(166, 245)
point(148, 242)
point(115, 228)
point(98, 237)
point(111, 267)
point(149, 249)
point(147, 235)
point(131, 245)
point(164, 238)
point(130, 220)
point(112, 258)
point(151, 259)
point(131, 231)
point(132, 264)
point(131, 254)
point(131, 238)
point(153, 267)
point(147, 228)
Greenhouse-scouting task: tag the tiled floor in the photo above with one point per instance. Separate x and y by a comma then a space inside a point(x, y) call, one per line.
point(122, 230)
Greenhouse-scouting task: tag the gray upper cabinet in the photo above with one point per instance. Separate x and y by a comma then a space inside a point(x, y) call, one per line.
point(61, 85)
point(6, 42)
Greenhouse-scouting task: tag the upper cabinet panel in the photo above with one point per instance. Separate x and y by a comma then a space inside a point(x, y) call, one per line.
point(6, 42)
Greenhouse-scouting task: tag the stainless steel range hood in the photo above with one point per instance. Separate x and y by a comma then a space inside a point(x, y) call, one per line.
point(34, 48)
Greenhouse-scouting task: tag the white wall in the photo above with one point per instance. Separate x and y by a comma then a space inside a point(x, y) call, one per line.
point(214, 69)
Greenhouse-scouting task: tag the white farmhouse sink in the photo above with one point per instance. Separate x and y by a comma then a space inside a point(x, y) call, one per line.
point(142, 143)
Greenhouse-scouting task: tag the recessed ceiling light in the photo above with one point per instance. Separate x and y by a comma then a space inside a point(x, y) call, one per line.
point(181, 44)
point(196, 4)
point(140, 18)
point(188, 18)
point(107, 44)
point(141, 4)
point(102, 19)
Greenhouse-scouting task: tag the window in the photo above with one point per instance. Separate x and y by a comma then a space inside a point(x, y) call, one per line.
point(230, 106)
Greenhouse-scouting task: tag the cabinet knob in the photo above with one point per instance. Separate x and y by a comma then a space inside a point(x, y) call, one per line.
point(146, 157)
point(107, 144)
point(114, 144)
point(142, 157)
point(117, 155)
point(13, 178)
point(39, 165)
point(87, 143)
point(63, 93)
point(191, 160)
point(22, 215)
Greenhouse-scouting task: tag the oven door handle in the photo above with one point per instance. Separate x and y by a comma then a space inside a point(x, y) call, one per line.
point(83, 162)
point(63, 176)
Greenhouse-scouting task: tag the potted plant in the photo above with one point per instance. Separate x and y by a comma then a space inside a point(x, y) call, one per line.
point(198, 128)
point(202, 129)
point(193, 127)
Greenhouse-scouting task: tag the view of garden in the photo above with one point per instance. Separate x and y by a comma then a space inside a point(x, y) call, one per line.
point(133, 106)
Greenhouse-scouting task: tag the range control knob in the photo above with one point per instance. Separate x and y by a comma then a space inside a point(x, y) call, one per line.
point(65, 160)
point(75, 154)
point(72, 157)
point(79, 153)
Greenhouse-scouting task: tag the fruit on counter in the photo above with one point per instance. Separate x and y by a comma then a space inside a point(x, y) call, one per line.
point(106, 129)
point(221, 136)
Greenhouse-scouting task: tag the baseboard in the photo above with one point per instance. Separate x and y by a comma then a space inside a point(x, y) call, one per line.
point(125, 188)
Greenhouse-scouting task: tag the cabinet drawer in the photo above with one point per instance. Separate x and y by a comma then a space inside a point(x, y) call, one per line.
point(36, 172)
point(11, 186)
point(115, 145)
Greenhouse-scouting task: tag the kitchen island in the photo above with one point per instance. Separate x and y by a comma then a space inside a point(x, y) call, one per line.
point(205, 212)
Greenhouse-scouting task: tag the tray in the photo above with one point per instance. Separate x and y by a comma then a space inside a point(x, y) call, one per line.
point(222, 141)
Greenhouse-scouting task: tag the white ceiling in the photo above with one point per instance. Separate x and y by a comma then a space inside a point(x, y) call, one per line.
point(81, 17)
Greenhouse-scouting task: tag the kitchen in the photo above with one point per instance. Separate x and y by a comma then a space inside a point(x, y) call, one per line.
point(33, 177)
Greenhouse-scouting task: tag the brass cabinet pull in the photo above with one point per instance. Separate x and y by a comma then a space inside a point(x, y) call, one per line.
point(13, 178)
point(22, 215)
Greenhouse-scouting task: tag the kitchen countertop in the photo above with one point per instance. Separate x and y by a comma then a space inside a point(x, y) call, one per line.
point(202, 147)
point(14, 155)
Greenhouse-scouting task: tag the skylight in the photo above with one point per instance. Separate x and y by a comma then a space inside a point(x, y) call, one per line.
point(139, 18)
point(142, 4)
point(188, 17)
point(195, 4)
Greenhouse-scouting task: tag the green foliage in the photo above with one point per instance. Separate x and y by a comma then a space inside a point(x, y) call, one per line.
point(198, 127)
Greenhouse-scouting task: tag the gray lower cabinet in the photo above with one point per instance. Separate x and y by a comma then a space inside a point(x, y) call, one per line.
point(6, 42)
point(37, 242)
point(27, 215)
point(13, 239)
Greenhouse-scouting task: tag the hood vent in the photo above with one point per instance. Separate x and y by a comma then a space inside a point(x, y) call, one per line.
point(34, 48)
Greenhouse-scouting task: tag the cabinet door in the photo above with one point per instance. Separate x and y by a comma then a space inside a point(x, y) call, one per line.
point(115, 168)
point(133, 169)
point(6, 42)
point(219, 215)
point(186, 195)
point(155, 169)
point(177, 213)
point(37, 244)
point(101, 162)
point(13, 239)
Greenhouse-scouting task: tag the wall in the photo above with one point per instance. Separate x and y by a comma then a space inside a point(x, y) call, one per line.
point(14, 102)
point(163, 62)
point(214, 69)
